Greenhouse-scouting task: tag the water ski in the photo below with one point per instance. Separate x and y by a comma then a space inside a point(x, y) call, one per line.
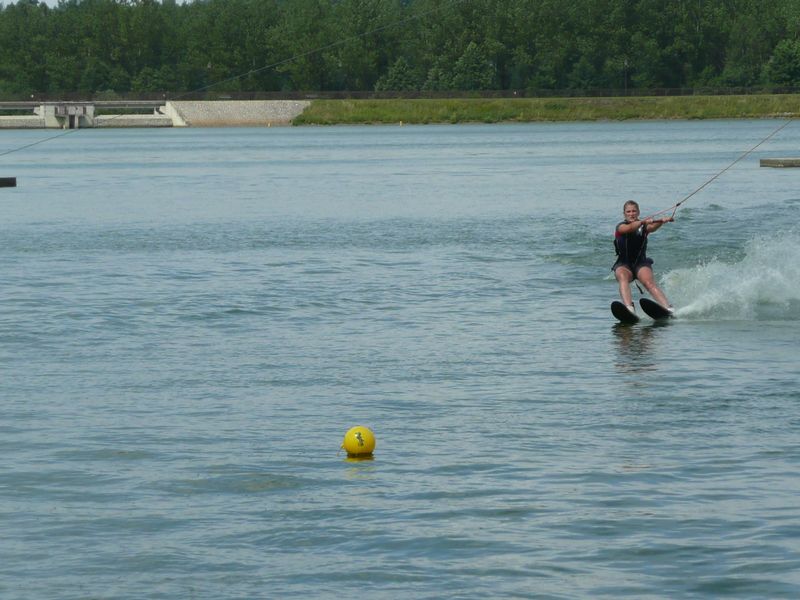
point(654, 310)
point(619, 310)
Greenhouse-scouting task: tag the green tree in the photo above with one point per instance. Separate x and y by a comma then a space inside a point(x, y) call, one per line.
point(399, 78)
point(24, 41)
point(305, 39)
point(473, 70)
point(438, 79)
point(784, 65)
point(364, 42)
point(251, 45)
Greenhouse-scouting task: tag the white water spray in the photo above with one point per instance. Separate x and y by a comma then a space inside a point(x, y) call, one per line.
point(763, 285)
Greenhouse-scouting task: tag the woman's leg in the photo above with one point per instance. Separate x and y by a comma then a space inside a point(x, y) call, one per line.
point(624, 276)
point(645, 275)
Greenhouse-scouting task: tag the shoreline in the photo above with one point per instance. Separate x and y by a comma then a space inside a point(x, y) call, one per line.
point(268, 113)
point(535, 110)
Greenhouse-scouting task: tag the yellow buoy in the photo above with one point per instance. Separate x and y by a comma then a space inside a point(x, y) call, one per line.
point(359, 441)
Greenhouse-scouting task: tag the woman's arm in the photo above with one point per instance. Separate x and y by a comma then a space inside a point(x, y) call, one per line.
point(655, 225)
point(626, 228)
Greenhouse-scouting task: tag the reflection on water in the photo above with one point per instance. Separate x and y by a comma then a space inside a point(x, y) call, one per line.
point(635, 346)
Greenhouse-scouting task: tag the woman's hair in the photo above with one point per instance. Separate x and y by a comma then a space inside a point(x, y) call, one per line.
point(630, 203)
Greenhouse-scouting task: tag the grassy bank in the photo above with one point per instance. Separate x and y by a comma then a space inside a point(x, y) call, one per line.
point(525, 110)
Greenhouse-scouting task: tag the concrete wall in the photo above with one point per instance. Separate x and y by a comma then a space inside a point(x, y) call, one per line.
point(218, 113)
point(132, 121)
point(58, 116)
point(235, 113)
point(22, 122)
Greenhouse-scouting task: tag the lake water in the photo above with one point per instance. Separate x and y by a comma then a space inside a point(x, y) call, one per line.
point(190, 320)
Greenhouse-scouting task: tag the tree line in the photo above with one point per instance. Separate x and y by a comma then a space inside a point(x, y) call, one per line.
point(118, 47)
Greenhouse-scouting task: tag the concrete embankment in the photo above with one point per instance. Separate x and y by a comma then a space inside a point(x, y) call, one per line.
point(216, 113)
point(22, 122)
point(108, 121)
point(234, 113)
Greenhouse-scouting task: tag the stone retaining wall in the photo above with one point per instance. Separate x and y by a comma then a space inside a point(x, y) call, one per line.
point(22, 122)
point(132, 121)
point(234, 113)
point(211, 113)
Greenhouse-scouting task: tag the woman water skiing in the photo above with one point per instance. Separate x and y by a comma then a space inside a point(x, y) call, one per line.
point(630, 242)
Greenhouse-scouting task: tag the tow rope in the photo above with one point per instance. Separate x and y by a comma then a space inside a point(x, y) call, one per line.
point(674, 207)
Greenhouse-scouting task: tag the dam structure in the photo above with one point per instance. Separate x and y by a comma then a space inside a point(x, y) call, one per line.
point(147, 113)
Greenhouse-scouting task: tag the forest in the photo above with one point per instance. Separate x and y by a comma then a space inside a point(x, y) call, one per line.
point(115, 48)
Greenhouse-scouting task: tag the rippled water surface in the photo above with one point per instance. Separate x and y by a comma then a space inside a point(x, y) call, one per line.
point(190, 320)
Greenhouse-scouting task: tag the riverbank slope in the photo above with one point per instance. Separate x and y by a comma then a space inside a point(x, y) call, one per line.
point(266, 113)
point(521, 110)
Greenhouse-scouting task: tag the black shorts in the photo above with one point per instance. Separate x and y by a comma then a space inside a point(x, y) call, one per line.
point(645, 262)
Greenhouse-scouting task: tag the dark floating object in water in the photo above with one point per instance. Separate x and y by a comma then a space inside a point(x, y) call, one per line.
point(780, 162)
point(8, 182)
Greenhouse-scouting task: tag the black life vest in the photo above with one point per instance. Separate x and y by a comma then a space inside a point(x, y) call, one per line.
point(631, 248)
